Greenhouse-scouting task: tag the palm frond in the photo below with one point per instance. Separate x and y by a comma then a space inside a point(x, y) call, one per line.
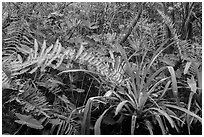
point(167, 20)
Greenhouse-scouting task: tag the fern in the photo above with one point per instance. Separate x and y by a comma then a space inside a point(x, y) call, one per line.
point(18, 34)
point(33, 100)
point(68, 128)
point(41, 59)
point(7, 79)
point(44, 56)
point(97, 63)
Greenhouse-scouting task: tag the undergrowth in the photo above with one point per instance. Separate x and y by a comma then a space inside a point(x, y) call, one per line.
point(101, 68)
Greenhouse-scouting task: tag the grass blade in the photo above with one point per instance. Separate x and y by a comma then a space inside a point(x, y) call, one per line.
point(187, 66)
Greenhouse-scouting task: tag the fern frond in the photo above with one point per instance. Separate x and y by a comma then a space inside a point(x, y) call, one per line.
point(33, 100)
point(53, 56)
point(68, 128)
point(102, 65)
point(39, 58)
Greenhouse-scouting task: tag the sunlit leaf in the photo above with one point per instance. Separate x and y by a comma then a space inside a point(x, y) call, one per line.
point(94, 27)
point(55, 121)
point(192, 84)
point(187, 66)
point(49, 49)
point(79, 51)
point(59, 47)
point(29, 121)
point(35, 48)
point(54, 50)
point(79, 90)
point(119, 106)
point(108, 93)
point(20, 59)
point(142, 99)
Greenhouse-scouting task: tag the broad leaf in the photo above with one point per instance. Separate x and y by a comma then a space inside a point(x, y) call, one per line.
point(29, 121)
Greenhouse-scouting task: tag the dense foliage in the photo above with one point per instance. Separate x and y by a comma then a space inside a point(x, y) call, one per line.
point(101, 68)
